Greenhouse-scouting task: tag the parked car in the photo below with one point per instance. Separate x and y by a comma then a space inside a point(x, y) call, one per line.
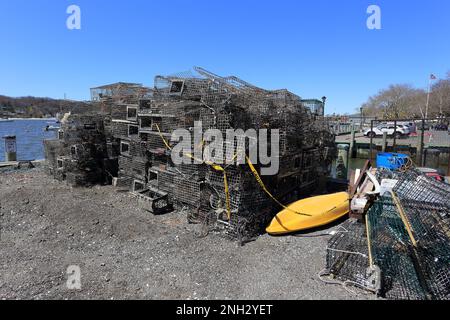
point(390, 129)
point(441, 127)
point(425, 128)
point(432, 173)
point(411, 126)
point(406, 128)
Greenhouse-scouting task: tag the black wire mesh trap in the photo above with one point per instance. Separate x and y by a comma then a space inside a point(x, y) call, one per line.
point(347, 257)
point(242, 210)
point(81, 155)
point(138, 125)
point(414, 185)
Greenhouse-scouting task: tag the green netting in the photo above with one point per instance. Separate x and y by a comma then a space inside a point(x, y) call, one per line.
point(391, 250)
point(413, 266)
point(426, 205)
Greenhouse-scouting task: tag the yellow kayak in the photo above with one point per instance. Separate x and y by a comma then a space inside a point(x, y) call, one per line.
point(310, 213)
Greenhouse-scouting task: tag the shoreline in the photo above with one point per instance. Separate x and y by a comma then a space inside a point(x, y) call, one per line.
point(33, 119)
point(6, 164)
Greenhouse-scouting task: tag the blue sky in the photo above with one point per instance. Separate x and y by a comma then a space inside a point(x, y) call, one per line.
point(312, 48)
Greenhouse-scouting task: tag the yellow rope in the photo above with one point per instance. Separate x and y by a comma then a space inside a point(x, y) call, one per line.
point(211, 164)
point(408, 165)
point(225, 179)
point(227, 194)
point(263, 186)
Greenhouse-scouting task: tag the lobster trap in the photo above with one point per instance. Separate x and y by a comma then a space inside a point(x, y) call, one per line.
point(406, 239)
point(229, 200)
point(348, 259)
point(220, 189)
point(81, 156)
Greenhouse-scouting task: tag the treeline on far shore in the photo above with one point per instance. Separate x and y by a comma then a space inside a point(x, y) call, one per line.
point(35, 107)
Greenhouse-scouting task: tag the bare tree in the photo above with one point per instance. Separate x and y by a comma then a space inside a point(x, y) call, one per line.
point(397, 101)
point(440, 96)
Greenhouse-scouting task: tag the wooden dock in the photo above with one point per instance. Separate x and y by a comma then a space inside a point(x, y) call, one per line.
point(21, 163)
point(432, 139)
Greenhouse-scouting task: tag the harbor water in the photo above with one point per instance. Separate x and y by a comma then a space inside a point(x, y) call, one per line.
point(30, 136)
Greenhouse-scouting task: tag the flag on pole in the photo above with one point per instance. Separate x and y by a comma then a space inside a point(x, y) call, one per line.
point(433, 77)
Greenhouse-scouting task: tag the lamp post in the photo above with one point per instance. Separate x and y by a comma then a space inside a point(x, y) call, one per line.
point(362, 118)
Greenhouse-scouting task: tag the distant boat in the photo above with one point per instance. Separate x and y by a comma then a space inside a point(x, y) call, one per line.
point(6, 120)
point(51, 128)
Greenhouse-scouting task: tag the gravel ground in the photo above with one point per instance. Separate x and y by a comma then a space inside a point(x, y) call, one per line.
point(126, 253)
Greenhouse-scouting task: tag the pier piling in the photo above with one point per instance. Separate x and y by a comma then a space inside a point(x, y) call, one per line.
point(342, 161)
point(420, 145)
point(384, 146)
point(432, 158)
point(353, 143)
point(10, 148)
point(448, 168)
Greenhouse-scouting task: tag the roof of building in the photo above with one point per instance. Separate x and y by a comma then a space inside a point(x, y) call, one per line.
point(114, 85)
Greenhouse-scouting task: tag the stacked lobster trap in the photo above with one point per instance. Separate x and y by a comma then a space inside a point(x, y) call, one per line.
point(81, 155)
point(87, 150)
point(230, 197)
point(120, 101)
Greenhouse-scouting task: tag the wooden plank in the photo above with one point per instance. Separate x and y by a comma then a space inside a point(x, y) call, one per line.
point(354, 189)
